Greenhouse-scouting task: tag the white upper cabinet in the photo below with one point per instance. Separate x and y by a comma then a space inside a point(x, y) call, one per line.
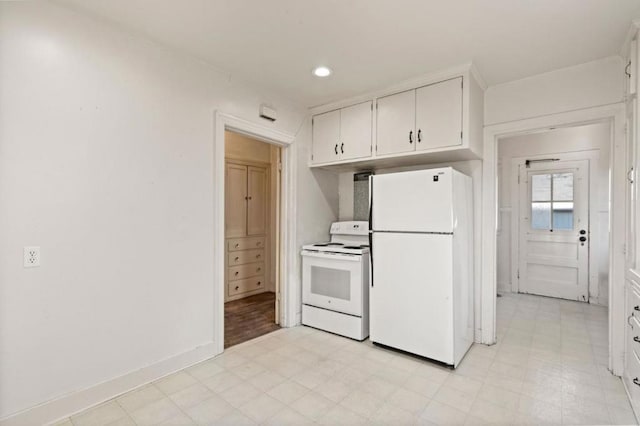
point(436, 119)
point(326, 135)
point(396, 123)
point(355, 131)
point(439, 115)
point(343, 134)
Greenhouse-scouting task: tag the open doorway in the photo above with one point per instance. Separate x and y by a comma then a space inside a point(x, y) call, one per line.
point(553, 245)
point(553, 230)
point(252, 217)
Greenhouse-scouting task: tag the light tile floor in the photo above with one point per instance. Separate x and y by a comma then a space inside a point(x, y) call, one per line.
point(549, 367)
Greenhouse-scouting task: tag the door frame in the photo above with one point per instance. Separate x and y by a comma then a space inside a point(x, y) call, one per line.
point(287, 251)
point(613, 114)
point(592, 156)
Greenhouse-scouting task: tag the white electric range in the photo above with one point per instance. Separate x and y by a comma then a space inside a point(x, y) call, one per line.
point(335, 281)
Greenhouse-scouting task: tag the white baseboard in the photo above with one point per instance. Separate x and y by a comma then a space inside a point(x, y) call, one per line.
point(67, 405)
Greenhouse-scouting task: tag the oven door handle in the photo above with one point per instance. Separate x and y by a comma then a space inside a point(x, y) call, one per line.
point(342, 256)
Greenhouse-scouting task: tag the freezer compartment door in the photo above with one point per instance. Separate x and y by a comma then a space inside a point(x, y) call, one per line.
point(418, 201)
point(411, 301)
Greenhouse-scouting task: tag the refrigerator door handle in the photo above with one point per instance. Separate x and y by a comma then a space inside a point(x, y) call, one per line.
point(371, 227)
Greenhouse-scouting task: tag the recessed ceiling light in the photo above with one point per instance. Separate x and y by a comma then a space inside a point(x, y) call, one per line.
point(322, 72)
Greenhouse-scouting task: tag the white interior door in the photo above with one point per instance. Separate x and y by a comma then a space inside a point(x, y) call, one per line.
point(256, 200)
point(554, 229)
point(236, 201)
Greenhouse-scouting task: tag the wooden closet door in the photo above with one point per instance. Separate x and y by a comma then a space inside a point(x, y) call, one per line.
point(236, 201)
point(257, 203)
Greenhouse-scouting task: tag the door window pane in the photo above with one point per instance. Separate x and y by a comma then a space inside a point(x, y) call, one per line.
point(563, 216)
point(541, 215)
point(563, 187)
point(552, 206)
point(330, 282)
point(541, 187)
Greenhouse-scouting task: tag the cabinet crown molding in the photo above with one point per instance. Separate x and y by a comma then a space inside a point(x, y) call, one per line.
point(422, 80)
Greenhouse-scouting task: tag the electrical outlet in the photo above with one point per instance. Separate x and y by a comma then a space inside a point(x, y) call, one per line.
point(31, 257)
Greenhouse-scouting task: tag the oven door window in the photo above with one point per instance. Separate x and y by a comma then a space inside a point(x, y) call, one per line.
point(333, 283)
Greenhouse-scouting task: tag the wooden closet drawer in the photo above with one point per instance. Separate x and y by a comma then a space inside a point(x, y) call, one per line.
point(247, 256)
point(245, 271)
point(245, 243)
point(246, 285)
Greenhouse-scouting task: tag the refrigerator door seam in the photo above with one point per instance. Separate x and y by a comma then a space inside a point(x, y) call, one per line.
point(414, 232)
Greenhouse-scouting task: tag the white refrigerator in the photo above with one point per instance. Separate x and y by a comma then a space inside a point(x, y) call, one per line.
point(421, 238)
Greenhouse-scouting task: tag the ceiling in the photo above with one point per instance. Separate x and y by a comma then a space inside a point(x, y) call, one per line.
point(370, 44)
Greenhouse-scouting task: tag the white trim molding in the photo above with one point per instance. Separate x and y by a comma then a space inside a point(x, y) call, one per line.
point(613, 113)
point(288, 257)
point(78, 401)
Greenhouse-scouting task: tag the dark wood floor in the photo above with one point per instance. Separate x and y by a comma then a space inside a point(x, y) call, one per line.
point(248, 318)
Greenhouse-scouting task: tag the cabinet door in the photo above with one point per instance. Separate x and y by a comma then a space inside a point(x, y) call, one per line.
point(236, 201)
point(257, 203)
point(355, 131)
point(396, 115)
point(326, 137)
point(439, 115)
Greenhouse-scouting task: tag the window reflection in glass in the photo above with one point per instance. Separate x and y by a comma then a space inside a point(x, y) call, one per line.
point(541, 188)
point(563, 216)
point(563, 187)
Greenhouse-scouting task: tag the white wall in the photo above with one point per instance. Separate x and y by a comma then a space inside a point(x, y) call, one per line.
point(596, 139)
point(106, 163)
point(470, 168)
point(587, 85)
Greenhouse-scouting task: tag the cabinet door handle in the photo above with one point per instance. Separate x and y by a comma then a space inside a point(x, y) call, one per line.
point(259, 269)
point(258, 283)
point(258, 243)
point(636, 339)
point(236, 274)
point(342, 147)
point(237, 287)
point(636, 381)
point(636, 308)
point(419, 135)
point(237, 245)
point(257, 256)
point(236, 259)
point(335, 149)
point(410, 136)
